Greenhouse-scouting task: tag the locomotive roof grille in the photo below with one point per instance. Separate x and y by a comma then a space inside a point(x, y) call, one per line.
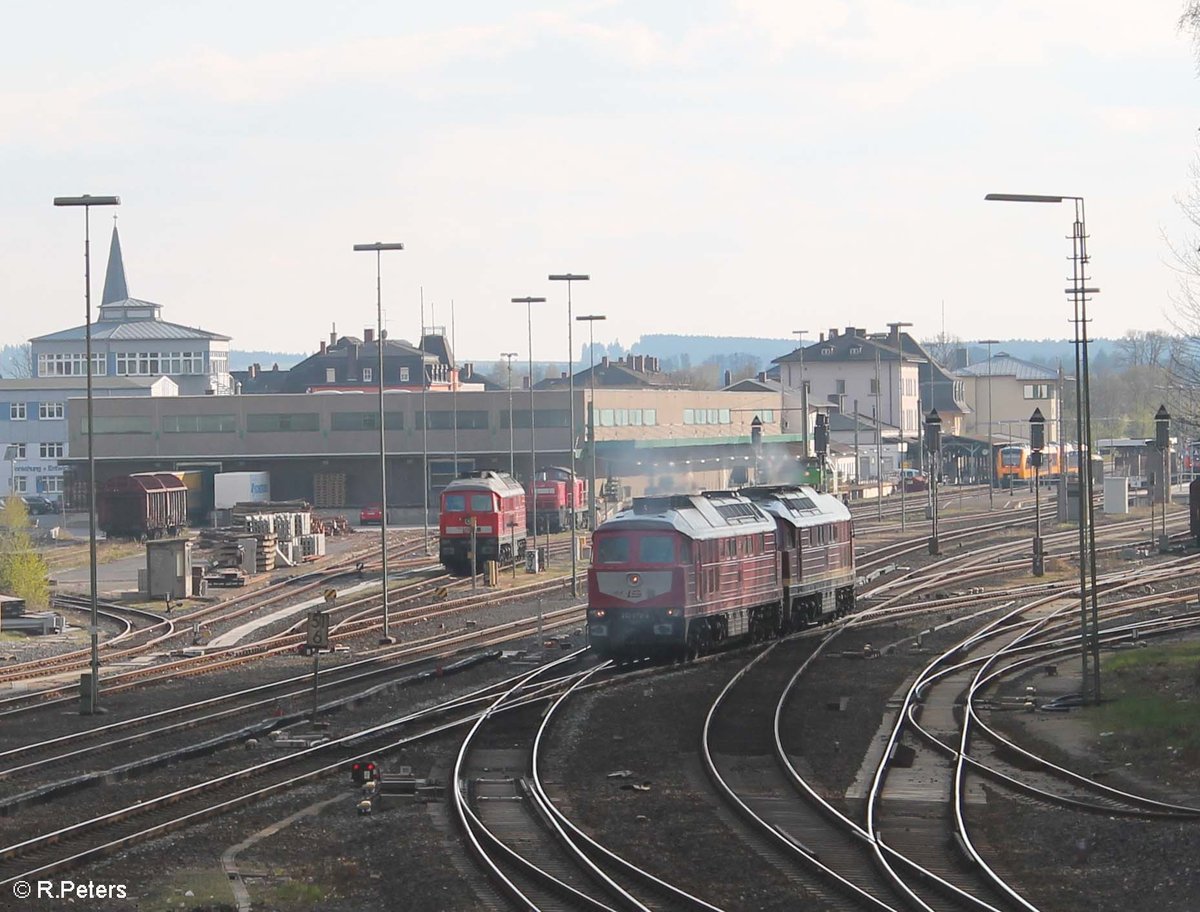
point(661, 504)
point(738, 512)
point(799, 503)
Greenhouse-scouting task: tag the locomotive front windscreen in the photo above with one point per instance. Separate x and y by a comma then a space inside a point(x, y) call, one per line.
point(454, 503)
point(1010, 456)
point(649, 549)
point(481, 503)
point(612, 549)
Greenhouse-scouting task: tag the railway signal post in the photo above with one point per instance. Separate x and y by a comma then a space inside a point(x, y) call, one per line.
point(933, 446)
point(1037, 443)
point(316, 640)
point(1162, 443)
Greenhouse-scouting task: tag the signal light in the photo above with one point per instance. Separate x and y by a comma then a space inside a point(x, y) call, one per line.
point(363, 771)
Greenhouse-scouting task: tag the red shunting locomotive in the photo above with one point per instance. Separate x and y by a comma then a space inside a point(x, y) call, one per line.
point(490, 505)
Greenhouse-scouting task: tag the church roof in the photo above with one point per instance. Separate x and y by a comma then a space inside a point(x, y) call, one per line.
point(124, 318)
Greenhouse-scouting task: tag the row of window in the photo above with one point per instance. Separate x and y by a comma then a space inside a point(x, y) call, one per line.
point(154, 364)
point(71, 365)
point(721, 416)
point(45, 450)
point(1038, 391)
point(467, 419)
point(50, 484)
point(47, 411)
point(368, 375)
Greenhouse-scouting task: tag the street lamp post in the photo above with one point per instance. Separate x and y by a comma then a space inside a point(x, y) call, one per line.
point(878, 443)
point(803, 397)
point(1079, 292)
point(1037, 443)
point(529, 302)
point(933, 445)
point(91, 702)
point(569, 277)
point(991, 453)
point(512, 452)
point(377, 248)
point(1162, 442)
point(426, 380)
point(898, 328)
point(591, 320)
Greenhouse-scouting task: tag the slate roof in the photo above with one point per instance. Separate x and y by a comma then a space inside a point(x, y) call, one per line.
point(78, 382)
point(133, 330)
point(1005, 365)
point(611, 376)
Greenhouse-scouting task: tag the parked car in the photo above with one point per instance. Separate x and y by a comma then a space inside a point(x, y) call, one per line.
point(38, 505)
point(372, 514)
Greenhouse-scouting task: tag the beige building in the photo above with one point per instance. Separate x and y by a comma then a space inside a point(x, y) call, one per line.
point(1017, 387)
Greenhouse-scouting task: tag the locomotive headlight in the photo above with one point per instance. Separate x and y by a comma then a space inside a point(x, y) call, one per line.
point(633, 578)
point(597, 613)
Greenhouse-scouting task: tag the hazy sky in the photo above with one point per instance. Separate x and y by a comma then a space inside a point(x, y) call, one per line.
point(745, 167)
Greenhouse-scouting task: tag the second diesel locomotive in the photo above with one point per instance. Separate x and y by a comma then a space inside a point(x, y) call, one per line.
point(557, 499)
point(491, 507)
point(677, 575)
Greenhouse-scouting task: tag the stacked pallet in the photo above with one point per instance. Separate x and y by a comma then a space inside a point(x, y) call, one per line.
point(226, 554)
point(332, 525)
point(284, 526)
point(312, 546)
point(329, 489)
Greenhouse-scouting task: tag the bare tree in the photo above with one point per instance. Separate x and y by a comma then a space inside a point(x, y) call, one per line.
point(19, 362)
point(942, 348)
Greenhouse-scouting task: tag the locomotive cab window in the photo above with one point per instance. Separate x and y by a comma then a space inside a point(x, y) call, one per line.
point(657, 549)
point(481, 503)
point(454, 503)
point(612, 550)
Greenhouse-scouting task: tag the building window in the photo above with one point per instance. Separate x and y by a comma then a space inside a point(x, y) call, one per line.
point(606, 417)
point(1037, 390)
point(366, 421)
point(546, 418)
point(404, 375)
point(874, 389)
point(20, 450)
point(52, 484)
point(368, 374)
point(331, 375)
point(725, 416)
point(689, 416)
point(286, 421)
point(839, 387)
point(199, 424)
point(50, 410)
point(468, 419)
point(50, 450)
point(120, 424)
point(649, 417)
point(70, 365)
point(16, 411)
point(21, 484)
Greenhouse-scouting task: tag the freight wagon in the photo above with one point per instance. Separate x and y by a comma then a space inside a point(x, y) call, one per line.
point(141, 506)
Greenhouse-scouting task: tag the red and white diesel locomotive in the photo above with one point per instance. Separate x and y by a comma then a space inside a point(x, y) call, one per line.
point(494, 505)
point(680, 574)
point(557, 499)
